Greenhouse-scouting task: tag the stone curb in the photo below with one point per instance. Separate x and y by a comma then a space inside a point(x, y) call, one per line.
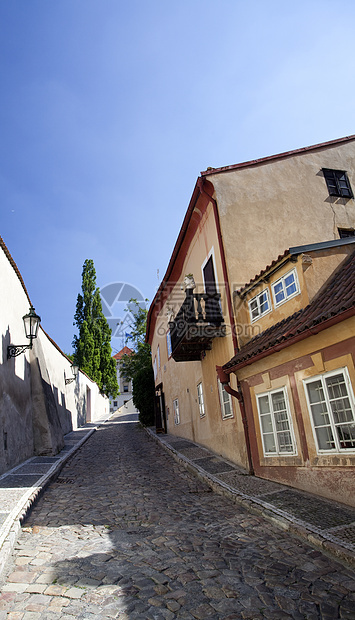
point(285, 521)
point(11, 527)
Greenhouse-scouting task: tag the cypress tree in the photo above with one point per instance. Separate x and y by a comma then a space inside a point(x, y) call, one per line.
point(92, 347)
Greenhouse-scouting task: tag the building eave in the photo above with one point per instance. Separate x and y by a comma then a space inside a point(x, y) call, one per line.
point(270, 158)
point(166, 284)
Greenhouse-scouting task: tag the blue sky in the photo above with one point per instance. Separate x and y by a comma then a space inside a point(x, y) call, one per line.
point(110, 109)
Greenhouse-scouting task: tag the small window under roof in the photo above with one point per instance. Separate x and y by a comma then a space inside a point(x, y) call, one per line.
point(338, 183)
point(344, 233)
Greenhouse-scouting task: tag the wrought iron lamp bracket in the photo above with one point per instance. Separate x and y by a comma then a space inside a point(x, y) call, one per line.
point(14, 350)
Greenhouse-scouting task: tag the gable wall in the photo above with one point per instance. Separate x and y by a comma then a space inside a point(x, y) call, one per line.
point(269, 207)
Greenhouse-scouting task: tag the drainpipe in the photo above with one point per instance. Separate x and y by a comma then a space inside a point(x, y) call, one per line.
point(202, 189)
point(238, 394)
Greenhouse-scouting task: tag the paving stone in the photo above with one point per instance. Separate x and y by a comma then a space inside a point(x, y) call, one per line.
point(134, 535)
point(173, 605)
point(15, 587)
point(203, 611)
point(74, 593)
point(53, 590)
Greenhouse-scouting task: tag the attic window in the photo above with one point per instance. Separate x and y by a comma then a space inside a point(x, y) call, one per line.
point(259, 305)
point(285, 288)
point(338, 183)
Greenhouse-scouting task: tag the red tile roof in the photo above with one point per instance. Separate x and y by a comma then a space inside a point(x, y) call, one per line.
point(124, 351)
point(334, 303)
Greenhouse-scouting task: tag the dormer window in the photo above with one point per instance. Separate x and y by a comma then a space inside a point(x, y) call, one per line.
point(338, 183)
point(259, 305)
point(285, 288)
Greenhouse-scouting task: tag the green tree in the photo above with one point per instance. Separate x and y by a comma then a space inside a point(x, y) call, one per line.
point(138, 366)
point(92, 347)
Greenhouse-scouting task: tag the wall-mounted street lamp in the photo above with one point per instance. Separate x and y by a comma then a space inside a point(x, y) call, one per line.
point(31, 323)
point(75, 370)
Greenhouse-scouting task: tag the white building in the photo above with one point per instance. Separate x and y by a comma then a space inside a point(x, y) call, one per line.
point(124, 398)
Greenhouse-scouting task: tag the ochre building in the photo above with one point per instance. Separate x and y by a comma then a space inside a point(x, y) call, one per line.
point(220, 378)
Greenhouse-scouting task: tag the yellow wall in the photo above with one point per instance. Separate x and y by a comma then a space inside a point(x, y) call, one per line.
point(263, 210)
point(180, 379)
point(320, 473)
point(321, 269)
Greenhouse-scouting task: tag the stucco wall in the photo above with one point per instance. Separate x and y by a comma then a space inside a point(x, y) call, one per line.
point(328, 474)
point(263, 209)
point(267, 208)
point(180, 379)
point(16, 433)
point(37, 408)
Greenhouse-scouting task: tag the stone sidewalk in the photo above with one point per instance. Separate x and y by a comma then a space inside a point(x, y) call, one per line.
point(124, 531)
point(327, 525)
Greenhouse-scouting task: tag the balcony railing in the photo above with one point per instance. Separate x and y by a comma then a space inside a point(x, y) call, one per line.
point(197, 323)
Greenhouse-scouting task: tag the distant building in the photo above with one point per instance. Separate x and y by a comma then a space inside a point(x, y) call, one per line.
point(125, 387)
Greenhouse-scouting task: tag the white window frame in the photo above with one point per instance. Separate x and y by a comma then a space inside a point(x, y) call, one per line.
point(155, 370)
point(168, 343)
point(332, 424)
point(274, 431)
point(201, 401)
point(257, 299)
point(224, 399)
point(282, 281)
point(176, 411)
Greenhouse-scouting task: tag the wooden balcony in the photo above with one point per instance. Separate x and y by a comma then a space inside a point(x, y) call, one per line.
point(197, 323)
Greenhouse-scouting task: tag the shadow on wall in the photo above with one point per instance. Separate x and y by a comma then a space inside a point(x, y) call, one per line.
point(33, 414)
point(81, 405)
point(64, 414)
point(16, 432)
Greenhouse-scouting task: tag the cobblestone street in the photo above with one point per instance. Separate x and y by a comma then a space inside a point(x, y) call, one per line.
point(125, 532)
